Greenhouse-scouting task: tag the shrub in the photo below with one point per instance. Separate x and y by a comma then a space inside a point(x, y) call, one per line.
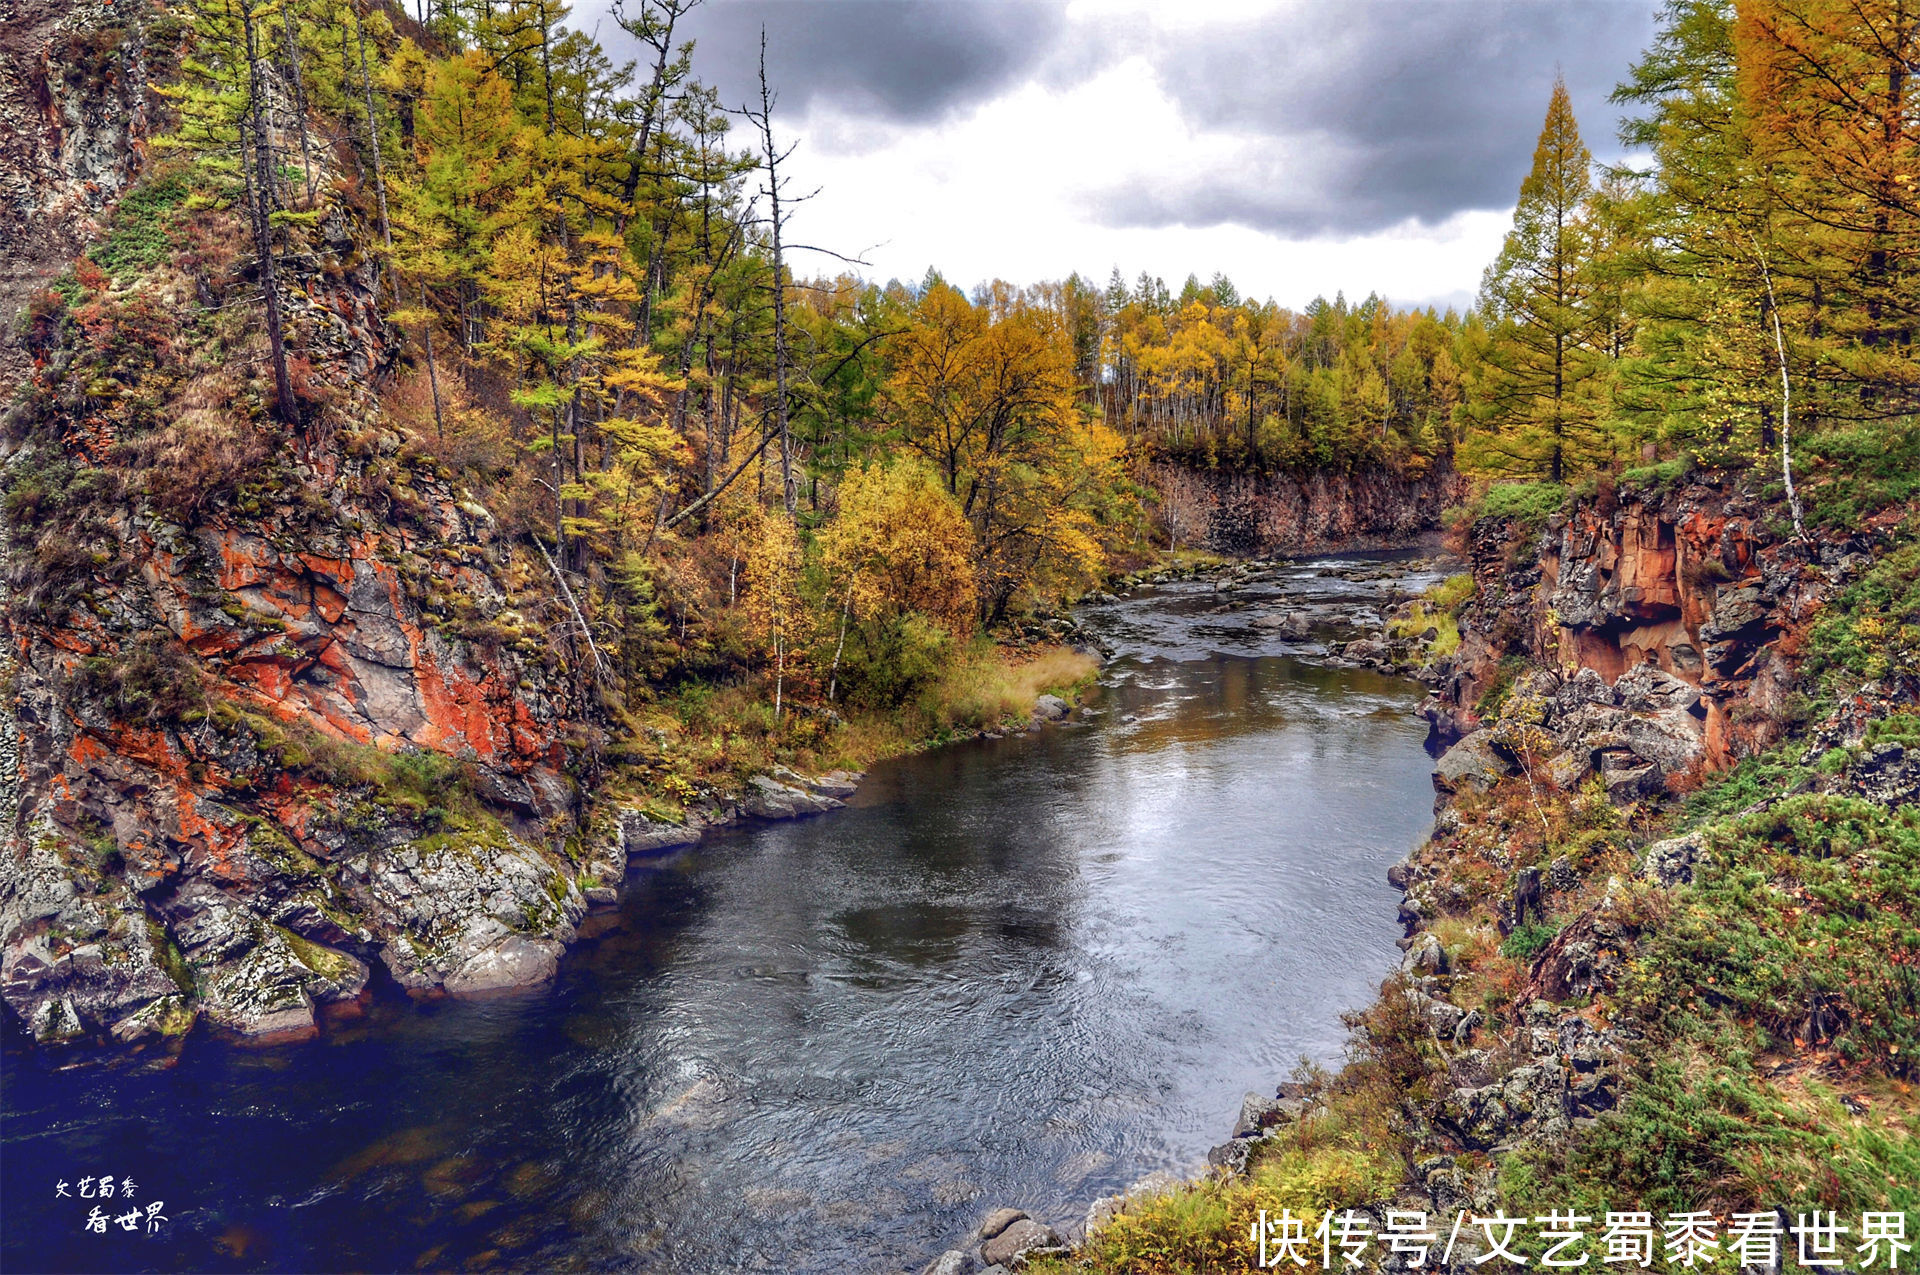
point(1495, 696)
point(1529, 504)
point(1446, 639)
point(892, 659)
point(153, 684)
point(1733, 790)
point(1452, 593)
point(139, 238)
point(1526, 940)
point(1660, 475)
point(1854, 473)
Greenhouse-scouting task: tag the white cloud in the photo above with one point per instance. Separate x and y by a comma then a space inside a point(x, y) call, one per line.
point(1010, 188)
point(1173, 15)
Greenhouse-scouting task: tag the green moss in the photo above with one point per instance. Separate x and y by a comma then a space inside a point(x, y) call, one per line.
point(171, 960)
point(426, 786)
point(175, 1017)
point(327, 963)
point(480, 831)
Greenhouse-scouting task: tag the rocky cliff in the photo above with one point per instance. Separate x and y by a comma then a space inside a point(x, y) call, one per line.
point(75, 103)
point(1697, 583)
point(1263, 515)
point(285, 709)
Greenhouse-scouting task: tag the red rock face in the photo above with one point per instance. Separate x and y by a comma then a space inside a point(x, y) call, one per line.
point(216, 828)
point(1691, 580)
point(198, 817)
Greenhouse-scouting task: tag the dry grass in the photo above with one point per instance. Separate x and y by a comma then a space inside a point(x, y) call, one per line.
point(986, 687)
point(986, 691)
point(201, 457)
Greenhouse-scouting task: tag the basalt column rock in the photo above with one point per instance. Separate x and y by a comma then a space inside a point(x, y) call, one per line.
point(1266, 514)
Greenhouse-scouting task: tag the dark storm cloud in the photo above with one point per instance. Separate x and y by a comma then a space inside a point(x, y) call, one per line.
point(1375, 110)
point(1405, 109)
point(901, 61)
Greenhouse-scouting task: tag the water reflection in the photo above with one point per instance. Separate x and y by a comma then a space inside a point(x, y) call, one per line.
point(1024, 971)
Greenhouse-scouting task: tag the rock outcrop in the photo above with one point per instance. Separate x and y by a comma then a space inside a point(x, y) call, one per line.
point(75, 100)
point(1645, 729)
point(1270, 514)
point(1693, 581)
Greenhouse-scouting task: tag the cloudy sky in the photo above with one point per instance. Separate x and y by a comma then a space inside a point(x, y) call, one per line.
point(1298, 146)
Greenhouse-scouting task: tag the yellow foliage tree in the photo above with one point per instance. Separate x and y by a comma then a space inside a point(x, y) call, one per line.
point(900, 548)
point(985, 393)
point(771, 596)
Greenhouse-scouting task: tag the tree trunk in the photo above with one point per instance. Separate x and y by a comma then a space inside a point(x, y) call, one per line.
point(433, 372)
point(299, 100)
point(262, 196)
point(373, 144)
point(788, 494)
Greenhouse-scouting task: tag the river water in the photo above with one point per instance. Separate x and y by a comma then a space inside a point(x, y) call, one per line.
point(1022, 971)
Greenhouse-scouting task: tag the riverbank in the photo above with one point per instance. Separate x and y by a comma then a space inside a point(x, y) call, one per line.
point(1660, 941)
point(1023, 684)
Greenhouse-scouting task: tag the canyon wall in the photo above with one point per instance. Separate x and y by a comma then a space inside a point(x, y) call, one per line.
point(1263, 515)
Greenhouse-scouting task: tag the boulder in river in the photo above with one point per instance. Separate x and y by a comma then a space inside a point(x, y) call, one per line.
point(515, 962)
point(641, 836)
point(835, 783)
point(1050, 708)
point(770, 799)
point(1019, 1239)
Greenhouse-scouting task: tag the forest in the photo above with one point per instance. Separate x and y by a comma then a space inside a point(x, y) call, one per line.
point(741, 470)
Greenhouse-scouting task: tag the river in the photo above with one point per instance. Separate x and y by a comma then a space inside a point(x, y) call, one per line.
point(1023, 971)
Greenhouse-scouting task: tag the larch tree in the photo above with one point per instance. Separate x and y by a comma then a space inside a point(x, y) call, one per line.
point(1831, 91)
point(1536, 402)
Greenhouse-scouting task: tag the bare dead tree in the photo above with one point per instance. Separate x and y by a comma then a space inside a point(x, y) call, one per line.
point(762, 119)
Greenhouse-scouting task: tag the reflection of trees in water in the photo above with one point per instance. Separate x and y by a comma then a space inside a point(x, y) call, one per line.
point(1230, 696)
